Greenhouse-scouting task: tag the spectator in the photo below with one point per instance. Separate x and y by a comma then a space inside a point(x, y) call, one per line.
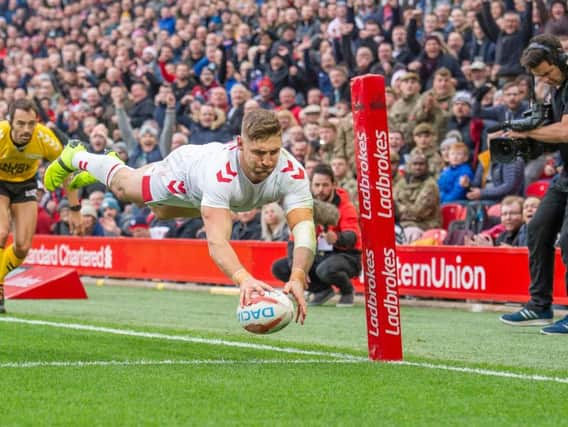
point(399, 115)
point(341, 91)
point(287, 121)
point(509, 229)
point(344, 179)
point(557, 23)
point(395, 168)
point(398, 145)
point(506, 179)
point(178, 140)
point(433, 58)
point(89, 221)
point(142, 108)
point(510, 39)
point(451, 181)
point(344, 145)
point(110, 210)
point(417, 199)
point(265, 94)
point(210, 128)
point(461, 120)
point(139, 227)
point(186, 228)
point(287, 100)
point(424, 143)
point(121, 150)
point(479, 84)
point(239, 95)
point(61, 227)
point(433, 105)
point(96, 199)
point(339, 247)
point(481, 49)
point(274, 227)
point(327, 142)
point(310, 114)
point(513, 108)
point(247, 226)
point(147, 148)
point(530, 205)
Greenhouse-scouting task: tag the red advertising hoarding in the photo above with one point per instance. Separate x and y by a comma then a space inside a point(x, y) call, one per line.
point(456, 272)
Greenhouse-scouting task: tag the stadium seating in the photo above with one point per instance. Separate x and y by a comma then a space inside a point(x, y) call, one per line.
point(494, 210)
point(537, 189)
point(452, 212)
point(434, 236)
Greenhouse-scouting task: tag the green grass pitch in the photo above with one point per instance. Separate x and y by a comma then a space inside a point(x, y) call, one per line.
point(142, 357)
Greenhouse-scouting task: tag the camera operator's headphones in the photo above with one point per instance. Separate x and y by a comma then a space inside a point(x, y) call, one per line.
point(555, 56)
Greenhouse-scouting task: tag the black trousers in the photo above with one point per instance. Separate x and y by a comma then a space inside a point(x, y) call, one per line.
point(550, 219)
point(330, 268)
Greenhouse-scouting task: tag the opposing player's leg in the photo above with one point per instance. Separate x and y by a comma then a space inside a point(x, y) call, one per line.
point(24, 216)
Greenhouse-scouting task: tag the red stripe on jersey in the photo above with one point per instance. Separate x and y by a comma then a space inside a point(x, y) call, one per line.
point(146, 193)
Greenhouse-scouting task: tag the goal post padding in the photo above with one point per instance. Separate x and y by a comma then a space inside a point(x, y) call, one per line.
point(376, 213)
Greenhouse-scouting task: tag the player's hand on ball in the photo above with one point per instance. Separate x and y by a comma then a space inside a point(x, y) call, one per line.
point(296, 287)
point(250, 285)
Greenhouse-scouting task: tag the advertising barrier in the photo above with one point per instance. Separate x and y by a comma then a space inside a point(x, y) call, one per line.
point(451, 272)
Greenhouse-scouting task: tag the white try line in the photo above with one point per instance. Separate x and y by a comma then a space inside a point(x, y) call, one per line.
point(88, 363)
point(338, 357)
point(484, 372)
point(183, 338)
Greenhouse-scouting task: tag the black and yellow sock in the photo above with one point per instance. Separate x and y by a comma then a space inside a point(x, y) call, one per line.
point(9, 261)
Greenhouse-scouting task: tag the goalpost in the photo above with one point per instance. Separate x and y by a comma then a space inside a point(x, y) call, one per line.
point(374, 181)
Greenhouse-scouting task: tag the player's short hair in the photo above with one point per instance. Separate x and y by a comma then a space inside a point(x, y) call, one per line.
point(24, 104)
point(260, 124)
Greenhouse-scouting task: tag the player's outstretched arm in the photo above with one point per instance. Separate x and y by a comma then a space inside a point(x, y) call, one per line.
point(218, 226)
point(301, 223)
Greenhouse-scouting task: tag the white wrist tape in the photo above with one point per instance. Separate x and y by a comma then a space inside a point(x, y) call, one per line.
point(305, 235)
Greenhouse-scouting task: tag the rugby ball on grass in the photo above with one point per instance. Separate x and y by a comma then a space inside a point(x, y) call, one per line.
point(266, 313)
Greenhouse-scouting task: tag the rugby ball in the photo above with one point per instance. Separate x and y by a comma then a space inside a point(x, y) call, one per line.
point(266, 313)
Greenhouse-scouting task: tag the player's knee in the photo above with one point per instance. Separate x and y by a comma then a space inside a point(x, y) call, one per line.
point(21, 249)
point(4, 236)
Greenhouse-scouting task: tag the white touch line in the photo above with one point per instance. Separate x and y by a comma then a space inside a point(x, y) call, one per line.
point(486, 372)
point(340, 357)
point(83, 363)
point(183, 338)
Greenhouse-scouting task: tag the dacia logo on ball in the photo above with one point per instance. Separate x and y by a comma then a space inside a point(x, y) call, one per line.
point(246, 315)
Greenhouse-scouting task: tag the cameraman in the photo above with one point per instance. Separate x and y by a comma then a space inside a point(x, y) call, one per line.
point(545, 59)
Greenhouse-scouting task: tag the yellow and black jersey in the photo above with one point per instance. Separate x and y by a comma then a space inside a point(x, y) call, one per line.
point(19, 166)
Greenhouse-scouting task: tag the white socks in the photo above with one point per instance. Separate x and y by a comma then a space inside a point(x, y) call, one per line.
point(101, 166)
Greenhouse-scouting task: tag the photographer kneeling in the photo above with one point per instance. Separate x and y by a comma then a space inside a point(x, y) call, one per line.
point(546, 60)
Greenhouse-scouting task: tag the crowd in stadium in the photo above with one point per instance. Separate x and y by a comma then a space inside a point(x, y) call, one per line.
point(143, 78)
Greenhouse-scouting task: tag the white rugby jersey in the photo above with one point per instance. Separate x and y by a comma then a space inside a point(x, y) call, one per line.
point(210, 175)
